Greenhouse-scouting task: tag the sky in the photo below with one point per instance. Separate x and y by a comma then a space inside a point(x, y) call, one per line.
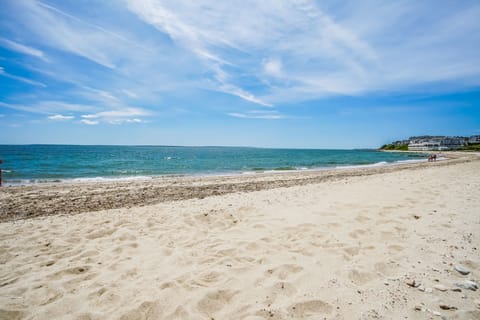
point(273, 73)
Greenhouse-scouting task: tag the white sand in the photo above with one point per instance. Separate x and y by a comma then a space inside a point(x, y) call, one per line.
point(340, 249)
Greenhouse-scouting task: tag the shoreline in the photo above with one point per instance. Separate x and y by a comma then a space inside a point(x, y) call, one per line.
point(113, 179)
point(25, 202)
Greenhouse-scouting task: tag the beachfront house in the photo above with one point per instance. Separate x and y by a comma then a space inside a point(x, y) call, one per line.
point(474, 140)
point(436, 143)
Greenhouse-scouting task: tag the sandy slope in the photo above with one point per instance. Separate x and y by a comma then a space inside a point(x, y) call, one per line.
point(343, 248)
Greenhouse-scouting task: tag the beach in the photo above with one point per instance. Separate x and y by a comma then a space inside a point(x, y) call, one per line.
point(358, 243)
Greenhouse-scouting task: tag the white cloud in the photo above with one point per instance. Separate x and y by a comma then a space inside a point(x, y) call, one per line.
point(90, 116)
point(267, 53)
point(320, 48)
point(259, 114)
point(89, 122)
point(22, 48)
point(59, 117)
point(186, 30)
point(135, 120)
point(119, 116)
point(273, 67)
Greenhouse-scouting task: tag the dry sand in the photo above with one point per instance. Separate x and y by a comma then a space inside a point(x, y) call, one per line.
point(350, 244)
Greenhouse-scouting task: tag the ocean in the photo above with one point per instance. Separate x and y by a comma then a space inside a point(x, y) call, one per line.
point(31, 164)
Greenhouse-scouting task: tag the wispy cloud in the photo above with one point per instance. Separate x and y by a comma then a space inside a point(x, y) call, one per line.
point(196, 38)
point(22, 79)
point(259, 114)
point(15, 46)
point(59, 117)
point(48, 107)
point(267, 53)
point(92, 25)
point(301, 50)
point(125, 115)
point(61, 31)
point(89, 122)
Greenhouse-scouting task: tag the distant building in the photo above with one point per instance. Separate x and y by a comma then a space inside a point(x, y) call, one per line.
point(436, 143)
point(474, 139)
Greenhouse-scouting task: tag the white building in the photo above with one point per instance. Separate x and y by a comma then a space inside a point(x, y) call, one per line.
point(474, 139)
point(439, 143)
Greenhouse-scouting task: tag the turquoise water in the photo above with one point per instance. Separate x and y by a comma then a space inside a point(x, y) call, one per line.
point(26, 164)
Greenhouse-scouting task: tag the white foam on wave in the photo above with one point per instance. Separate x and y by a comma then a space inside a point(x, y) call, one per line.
point(107, 179)
point(26, 182)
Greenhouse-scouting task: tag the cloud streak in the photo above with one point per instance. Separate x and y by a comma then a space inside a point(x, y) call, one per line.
point(22, 79)
point(21, 48)
point(59, 117)
point(119, 116)
point(259, 114)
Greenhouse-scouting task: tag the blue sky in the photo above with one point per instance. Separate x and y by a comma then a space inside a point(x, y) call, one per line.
point(315, 74)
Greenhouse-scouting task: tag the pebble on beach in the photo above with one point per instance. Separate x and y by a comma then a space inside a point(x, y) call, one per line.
point(467, 284)
point(440, 287)
point(447, 307)
point(462, 270)
point(412, 283)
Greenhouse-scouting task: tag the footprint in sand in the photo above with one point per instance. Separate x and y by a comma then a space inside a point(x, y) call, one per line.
point(51, 295)
point(95, 234)
point(179, 313)
point(362, 218)
point(208, 278)
point(147, 310)
point(395, 247)
point(385, 269)
point(215, 301)
point(352, 251)
point(284, 271)
point(360, 277)
point(356, 233)
point(309, 309)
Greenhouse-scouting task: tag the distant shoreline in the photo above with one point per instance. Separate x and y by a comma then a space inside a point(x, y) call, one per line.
point(20, 202)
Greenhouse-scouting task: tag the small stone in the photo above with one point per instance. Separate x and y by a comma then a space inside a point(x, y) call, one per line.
point(428, 290)
point(440, 287)
point(456, 290)
point(418, 308)
point(447, 307)
point(462, 270)
point(421, 288)
point(412, 283)
point(467, 284)
point(436, 313)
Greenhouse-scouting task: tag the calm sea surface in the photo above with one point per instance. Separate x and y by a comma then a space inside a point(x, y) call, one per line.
point(27, 164)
